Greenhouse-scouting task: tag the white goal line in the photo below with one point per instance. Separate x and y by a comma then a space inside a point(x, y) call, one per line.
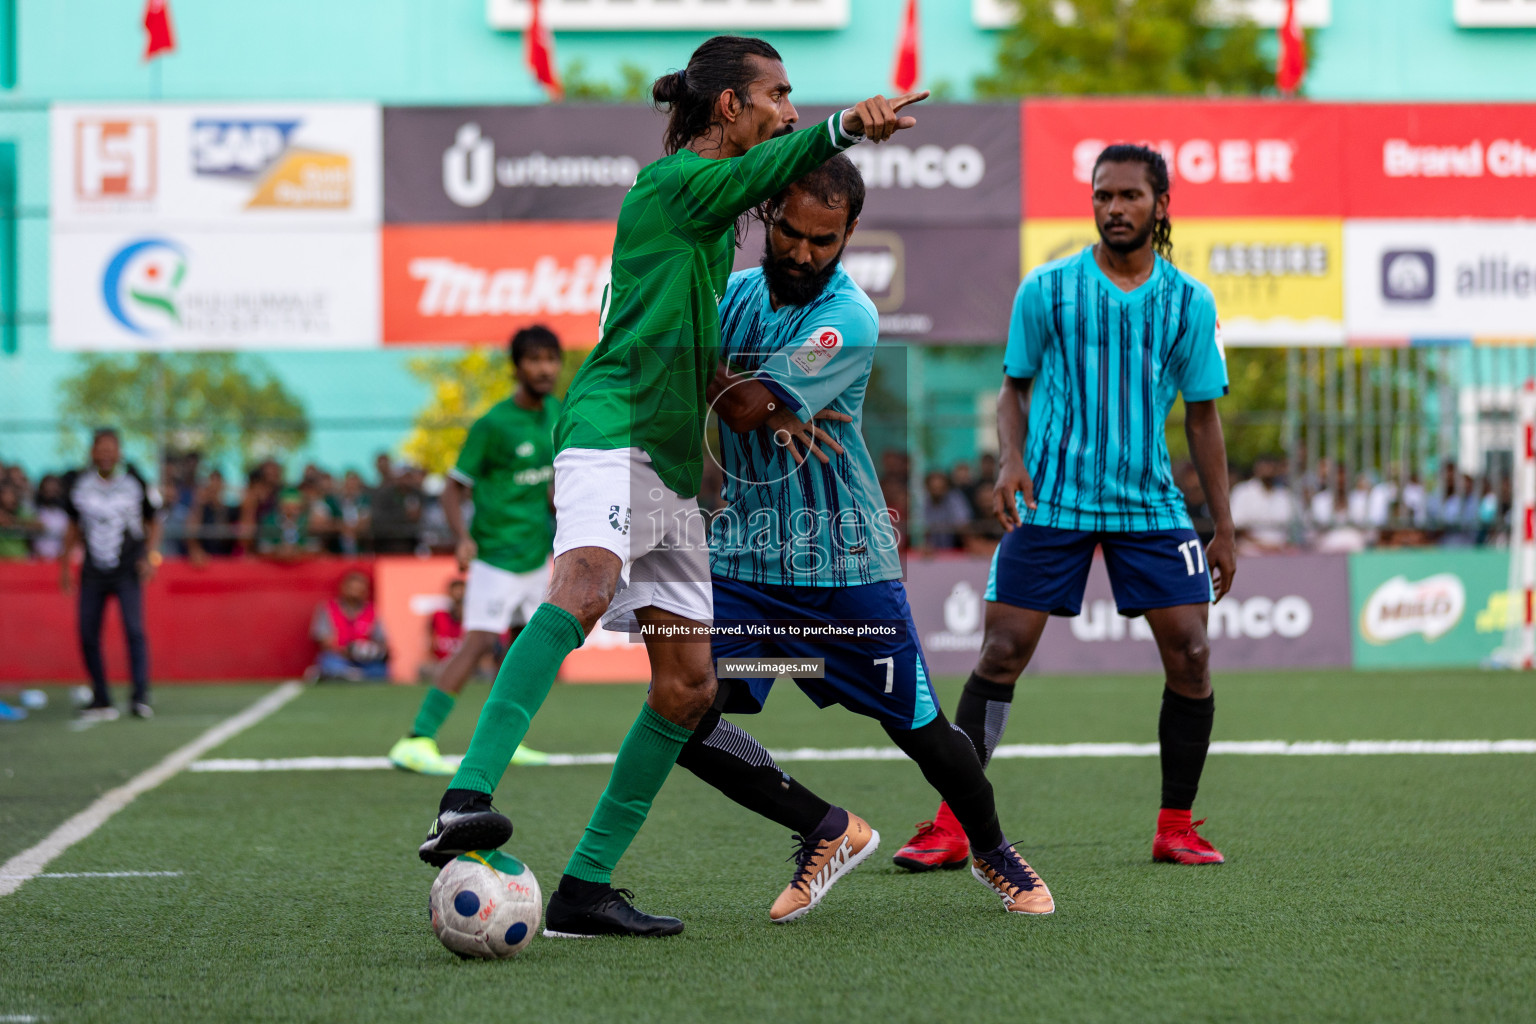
point(1008, 752)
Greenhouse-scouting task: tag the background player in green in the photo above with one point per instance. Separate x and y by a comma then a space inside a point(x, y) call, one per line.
point(1101, 344)
point(507, 462)
point(630, 544)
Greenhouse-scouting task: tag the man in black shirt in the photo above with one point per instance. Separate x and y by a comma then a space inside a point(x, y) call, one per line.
point(114, 514)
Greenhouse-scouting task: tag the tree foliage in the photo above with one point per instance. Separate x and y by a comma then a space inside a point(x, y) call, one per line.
point(219, 403)
point(463, 386)
point(634, 84)
point(1167, 47)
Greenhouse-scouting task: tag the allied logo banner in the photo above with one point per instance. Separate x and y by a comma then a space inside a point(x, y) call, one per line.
point(1276, 280)
point(1440, 280)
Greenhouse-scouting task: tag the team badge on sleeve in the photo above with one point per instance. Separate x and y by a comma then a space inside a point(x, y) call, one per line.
point(817, 350)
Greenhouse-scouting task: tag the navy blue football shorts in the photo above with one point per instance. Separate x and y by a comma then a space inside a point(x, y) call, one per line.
point(881, 674)
point(1046, 569)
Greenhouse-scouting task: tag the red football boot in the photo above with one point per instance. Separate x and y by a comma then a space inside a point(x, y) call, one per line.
point(1177, 842)
point(939, 843)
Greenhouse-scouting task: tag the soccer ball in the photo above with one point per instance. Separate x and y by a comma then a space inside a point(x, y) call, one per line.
point(486, 904)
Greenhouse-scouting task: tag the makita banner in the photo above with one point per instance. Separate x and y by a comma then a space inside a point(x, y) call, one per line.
point(1284, 610)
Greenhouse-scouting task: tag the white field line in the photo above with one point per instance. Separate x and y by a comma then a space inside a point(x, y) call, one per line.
point(1009, 752)
point(30, 863)
point(97, 874)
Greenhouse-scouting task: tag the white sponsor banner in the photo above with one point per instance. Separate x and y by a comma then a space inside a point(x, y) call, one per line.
point(215, 290)
point(1439, 279)
point(247, 164)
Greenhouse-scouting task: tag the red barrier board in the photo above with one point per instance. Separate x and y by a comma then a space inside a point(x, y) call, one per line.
point(1415, 160)
point(237, 619)
point(1226, 158)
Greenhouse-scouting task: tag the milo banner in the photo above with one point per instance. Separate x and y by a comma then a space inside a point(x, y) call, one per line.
point(1285, 611)
point(1426, 608)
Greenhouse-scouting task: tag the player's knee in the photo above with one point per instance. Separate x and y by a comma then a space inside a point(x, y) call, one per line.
point(1188, 657)
point(1003, 655)
point(584, 599)
point(684, 696)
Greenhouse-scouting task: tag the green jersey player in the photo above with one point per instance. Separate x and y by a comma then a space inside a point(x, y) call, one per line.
point(630, 544)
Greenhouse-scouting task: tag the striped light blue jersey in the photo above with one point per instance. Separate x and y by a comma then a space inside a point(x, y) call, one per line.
point(810, 525)
point(1107, 365)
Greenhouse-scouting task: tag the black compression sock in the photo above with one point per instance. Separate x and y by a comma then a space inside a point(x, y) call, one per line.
point(834, 824)
point(949, 763)
point(579, 890)
point(464, 799)
point(982, 714)
point(737, 765)
point(1184, 736)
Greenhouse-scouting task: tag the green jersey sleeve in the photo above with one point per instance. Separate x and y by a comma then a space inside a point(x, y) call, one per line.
point(716, 192)
point(471, 464)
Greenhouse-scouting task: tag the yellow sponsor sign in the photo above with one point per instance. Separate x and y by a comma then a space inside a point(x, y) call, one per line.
point(1277, 281)
point(305, 179)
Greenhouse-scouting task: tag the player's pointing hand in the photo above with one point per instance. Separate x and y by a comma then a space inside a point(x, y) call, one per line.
point(878, 118)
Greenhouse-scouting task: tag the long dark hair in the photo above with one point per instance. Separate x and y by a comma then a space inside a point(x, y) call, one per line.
point(1157, 176)
point(689, 95)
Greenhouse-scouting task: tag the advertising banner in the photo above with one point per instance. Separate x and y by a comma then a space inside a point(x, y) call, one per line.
point(929, 283)
point(1277, 281)
point(204, 289)
point(227, 164)
point(1226, 158)
point(446, 164)
point(1440, 159)
point(1282, 611)
point(1440, 280)
point(478, 283)
point(1427, 608)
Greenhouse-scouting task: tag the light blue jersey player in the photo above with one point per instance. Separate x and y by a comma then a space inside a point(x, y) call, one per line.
point(803, 560)
point(1100, 346)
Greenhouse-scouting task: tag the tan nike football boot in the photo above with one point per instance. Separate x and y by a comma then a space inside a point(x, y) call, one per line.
point(1004, 872)
point(821, 862)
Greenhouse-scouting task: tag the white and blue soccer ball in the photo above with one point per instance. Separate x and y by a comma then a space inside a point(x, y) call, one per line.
point(486, 904)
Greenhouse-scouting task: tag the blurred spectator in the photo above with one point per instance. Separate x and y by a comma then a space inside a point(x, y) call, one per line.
point(284, 533)
point(351, 512)
point(52, 520)
point(1360, 500)
point(349, 634)
point(262, 488)
point(1263, 509)
point(898, 506)
point(385, 468)
point(396, 513)
point(445, 632)
point(15, 528)
point(896, 465)
point(210, 523)
point(114, 516)
point(964, 484)
point(946, 513)
point(178, 488)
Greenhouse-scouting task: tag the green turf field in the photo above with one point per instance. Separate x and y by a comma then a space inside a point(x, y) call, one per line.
point(1357, 888)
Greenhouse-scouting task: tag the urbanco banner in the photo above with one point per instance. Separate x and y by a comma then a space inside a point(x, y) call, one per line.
point(205, 289)
point(241, 165)
point(444, 164)
point(1440, 280)
point(1283, 611)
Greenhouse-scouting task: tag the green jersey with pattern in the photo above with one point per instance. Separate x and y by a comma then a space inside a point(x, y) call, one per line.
point(643, 385)
point(509, 460)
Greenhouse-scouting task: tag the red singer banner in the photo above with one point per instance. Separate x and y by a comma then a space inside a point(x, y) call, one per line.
point(477, 283)
point(1226, 158)
point(1415, 160)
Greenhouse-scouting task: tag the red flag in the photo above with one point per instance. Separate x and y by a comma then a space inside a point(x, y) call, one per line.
point(1292, 66)
point(157, 22)
point(905, 75)
point(540, 51)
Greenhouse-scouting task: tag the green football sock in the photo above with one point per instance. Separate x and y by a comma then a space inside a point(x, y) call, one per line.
point(435, 707)
point(526, 674)
point(648, 753)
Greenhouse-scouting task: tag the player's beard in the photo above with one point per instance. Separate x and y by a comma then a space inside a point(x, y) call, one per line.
point(792, 290)
point(1135, 242)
